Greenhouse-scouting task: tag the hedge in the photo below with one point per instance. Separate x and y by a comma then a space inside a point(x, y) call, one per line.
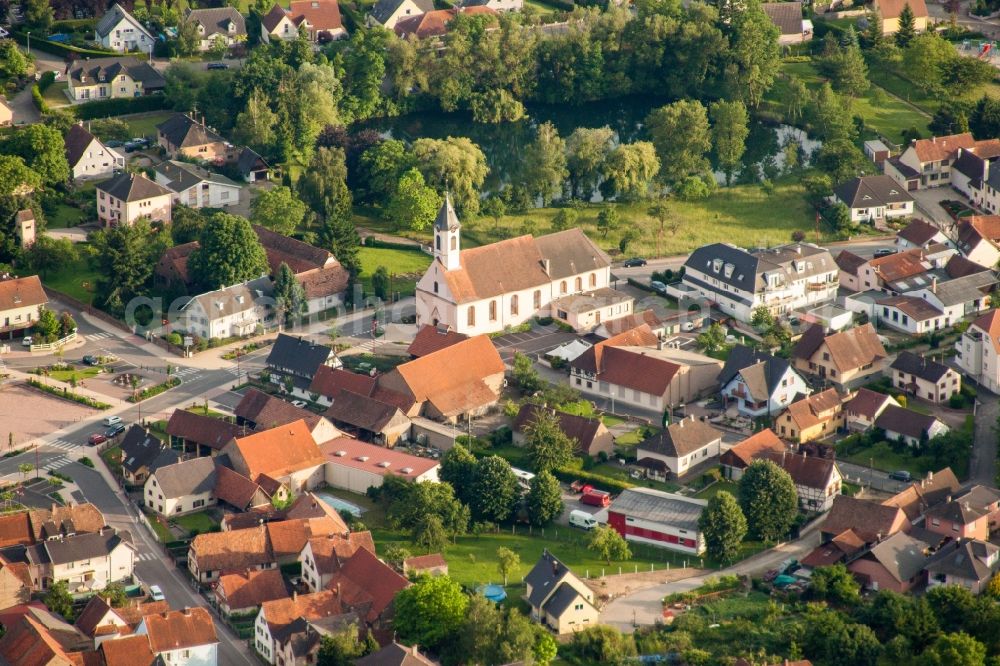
point(65, 50)
point(603, 482)
point(106, 108)
point(155, 390)
point(39, 101)
point(67, 395)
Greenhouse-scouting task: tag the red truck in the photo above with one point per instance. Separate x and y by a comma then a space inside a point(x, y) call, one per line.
point(596, 498)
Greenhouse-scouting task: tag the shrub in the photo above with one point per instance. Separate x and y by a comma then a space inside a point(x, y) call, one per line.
point(798, 236)
point(956, 401)
point(103, 108)
point(36, 98)
point(87, 462)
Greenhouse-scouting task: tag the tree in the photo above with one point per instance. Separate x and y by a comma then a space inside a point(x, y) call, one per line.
point(723, 526)
point(957, 649)
point(680, 133)
point(340, 236)
point(601, 644)
point(586, 151)
point(339, 648)
point(754, 53)
point(841, 159)
point(455, 165)
point(429, 611)
point(608, 544)
point(565, 218)
point(507, 562)
point(381, 167)
point(796, 96)
point(544, 500)
point(229, 253)
point(114, 593)
point(430, 534)
point(409, 503)
point(49, 254)
point(59, 600)
point(256, 124)
point(16, 175)
point(525, 374)
point(544, 164)
point(984, 120)
point(828, 114)
point(607, 220)
point(494, 207)
point(279, 210)
point(188, 39)
point(850, 73)
point(907, 30)
point(126, 256)
point(630, 169)
point(413, 205)
point(38, 16)
point(289, 296)
point(730, 128)
point(395, 554)
point(46, 328)
point(835, 584)
point(13, 62)
point(43, 150)
point(711, 339)
point(761, 318)
point(547, 444)
point(928, 60)
point(768, 500)
point(545, 649)
point(458, 469)
point(873, 33)
point(496, 490)
point(381, 283)
point(324, 185)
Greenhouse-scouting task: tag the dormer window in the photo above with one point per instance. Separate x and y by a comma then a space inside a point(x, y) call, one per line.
point(728, 271)
point(717, 265)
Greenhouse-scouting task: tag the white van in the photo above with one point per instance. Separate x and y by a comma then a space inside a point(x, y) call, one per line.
point(582, 519)
point(112, 420)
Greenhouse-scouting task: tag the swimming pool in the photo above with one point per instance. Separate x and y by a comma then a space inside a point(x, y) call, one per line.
point(341, 505)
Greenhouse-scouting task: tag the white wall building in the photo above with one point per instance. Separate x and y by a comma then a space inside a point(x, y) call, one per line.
point(979, 351)
point(196, 187)
point(232, 311)
point(120, 31)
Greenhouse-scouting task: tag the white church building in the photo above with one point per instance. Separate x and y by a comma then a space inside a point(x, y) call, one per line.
point(486, 289)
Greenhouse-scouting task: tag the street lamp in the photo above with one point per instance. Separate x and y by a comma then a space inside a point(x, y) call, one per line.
point(29, 42)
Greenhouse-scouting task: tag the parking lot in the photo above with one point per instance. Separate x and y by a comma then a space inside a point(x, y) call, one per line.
point(536, 341)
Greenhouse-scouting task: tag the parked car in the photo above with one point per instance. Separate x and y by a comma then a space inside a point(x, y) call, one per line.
point(90, 359)
point(900, 475)
point(26, 341)
point(658, 286)
point(634, 262)
point(884, 252)
point(114, 430)
point(112, 420)
point(298, 403)
point(155, 593)
point(96, 438)
point(217, 65)
point(596, 498)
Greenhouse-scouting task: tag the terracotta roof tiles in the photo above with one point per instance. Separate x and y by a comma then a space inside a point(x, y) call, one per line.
point(376, 578)
point(127, 651)
point(329, 382)
point(21, 292)
point(176, 630)
point(233, 550)
point(744, 453)
point(430, 339)
point(251, 588)
point(279, 451)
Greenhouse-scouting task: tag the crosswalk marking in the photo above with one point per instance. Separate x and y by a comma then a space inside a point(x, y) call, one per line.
point(56, 463)
point(183, 372)
point(98, 336)
point(63, 444)
point(145, 557)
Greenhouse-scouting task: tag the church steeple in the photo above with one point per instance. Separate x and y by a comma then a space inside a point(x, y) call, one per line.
point(447, 236)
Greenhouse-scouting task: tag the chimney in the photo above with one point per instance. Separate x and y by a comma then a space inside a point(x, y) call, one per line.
point(295, 596)
point(930, 476)
point(555, 568)
point(338, 589)
point(934, 285)
point(187, 611)
point(948, 498)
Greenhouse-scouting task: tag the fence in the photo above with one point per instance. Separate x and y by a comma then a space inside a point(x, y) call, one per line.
point(52, 346)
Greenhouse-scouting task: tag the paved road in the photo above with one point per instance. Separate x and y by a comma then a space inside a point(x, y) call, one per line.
point(983, 465)
point(869, 477)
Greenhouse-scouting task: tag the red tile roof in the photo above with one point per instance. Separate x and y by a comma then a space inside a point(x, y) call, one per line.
point(252, 588)
point(279, 451)
point(592, 360)
point(435, 23)
point(989, 323)
point(233, 488)
point(127, 651)
point(430, 339)
point(939, 147)
point(329, 552)
point(321, 14)
point(378, 580)
point(29, 643)
point(15, 529)
point(867, 403)
point(21, 293)
point(329, 382)
point(282, 612)
point(233, 550)
point(177, 630)
point(749, 449)
point(421, 562)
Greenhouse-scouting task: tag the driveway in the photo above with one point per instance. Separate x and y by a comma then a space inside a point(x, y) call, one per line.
point(983, 464)
point(928, 204)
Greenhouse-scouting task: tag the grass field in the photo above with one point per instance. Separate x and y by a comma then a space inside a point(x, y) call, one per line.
point(64, 217)
point(113, 458)
point(718, 487)
point(201, 522)
point(78, 374)
point(881, 456)
point(55, 95)
point(145, 124)
point(77, 279)
point(406, 267)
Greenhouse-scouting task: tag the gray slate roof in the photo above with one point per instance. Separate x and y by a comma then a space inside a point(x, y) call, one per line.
point(297, 355)
point(78, 547)
point(786, 15)
point(761, 371)
point(216, 21)
point(190, 477)
point(139, 448)
point(249, 161)
point(923, 368)
point(226, 301)
point(904, 421)
point(92, 70)
point(383, 9)
point(132, 187)
point(111, 18)
point(902, 555)
point(561, 599)
point(963, 559)
point(681, 438)
point(184, 175)
point(654, 505)
point(965, 289)
point(544, 576)
point(868, 191)
point(182, 132)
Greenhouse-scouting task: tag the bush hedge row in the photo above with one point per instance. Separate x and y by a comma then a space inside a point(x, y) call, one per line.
point(603, 482)
point(67, 395)
point(64, 50)
point(105, 108)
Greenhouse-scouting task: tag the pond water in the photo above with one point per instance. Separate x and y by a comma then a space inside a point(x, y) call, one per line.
point(503, 143)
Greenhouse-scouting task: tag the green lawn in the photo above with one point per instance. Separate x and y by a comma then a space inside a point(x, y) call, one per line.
point(881, 456)
point(354, 362)
point(613, 470)
point(55, 95)
point(64, 217)
point(145, 124)
point(78, 374)
point(162, 533)
point(634, 437)
point(405, 267)
point(200, 522)
point(113, 457)
point(77, 279)
point(541, 7)
point(716, 488)
point(611, 421)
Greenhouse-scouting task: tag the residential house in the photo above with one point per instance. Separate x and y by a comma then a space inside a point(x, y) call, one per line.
point(914, 428)
point(919, 234)
point(196, 187)
point(243, 593)
point(959, 519)
point(739, 457)
point(434, 24)
point(492, 287)
point(813, 417)
point(368, 419)
point(924, 378)
point(369, 586)
point(909, 314)
point(782, 279)
point(218, 24)
point(323, 556)
point(968, 563)
point(143, 454)
point(112, 78)
point(463, 379)
point(99, 620)
point(21, 303)
point(181, 135)
point(890, 11)
point(357, 466)
point(960, 297)
point(252, 166)
point(978, 350)
point(28, 641)
point(298, 358)
point(276, 620)
point(869, 520)
point(919, 496)
point(925, 162)
point(259, 411)
point(182, 637)
point(288, 537)
point(658, 518)
point(236, 311)
point(88, 157)
point(635, 370)
point(6, 113)
point(323, 288)
point(86, 562)
point(849, 265)
point(184, 487)
point(817, 480)
point(128, 197)
point(895, 563)
point(979, 239)
point(864, 407)
point(433, 564)
point(585, 311)
point(127, 651)
point(201, 435)
point(841, 548)
point(874, 199)
point(787, 17)
point(758, 383)
point(387, 13)
point(238, 491)
point(25, 228)
point(499, 6)
point(681, 446)
point(329, 382)
point(71, 518)
point(845, 359)
point(318, 20)
point(559, 599)
point(322, 277)
point(589, 435)
point(395, 654)
point(214, 553)
point(880, 272)
point(287, 455)
point(659, 328)
point(119, 31)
